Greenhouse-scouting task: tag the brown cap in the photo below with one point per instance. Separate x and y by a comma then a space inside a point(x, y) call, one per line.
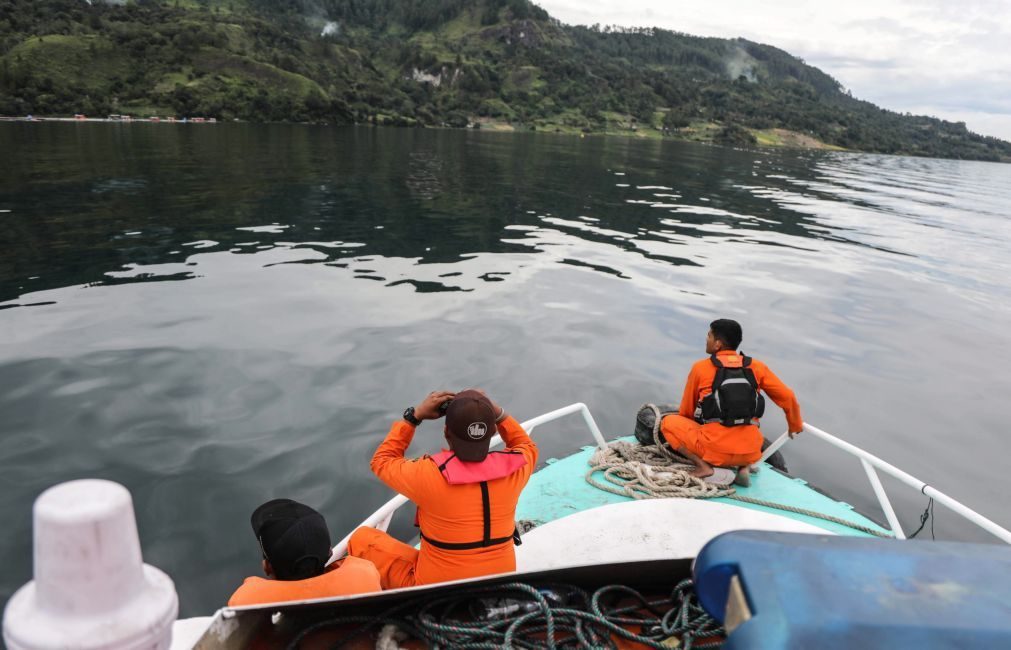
point(470, 423)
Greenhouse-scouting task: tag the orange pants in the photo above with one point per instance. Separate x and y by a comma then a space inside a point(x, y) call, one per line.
point(395, 560)
point(679, 431)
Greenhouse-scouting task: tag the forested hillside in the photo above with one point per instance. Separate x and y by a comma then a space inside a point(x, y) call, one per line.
point(490, 63)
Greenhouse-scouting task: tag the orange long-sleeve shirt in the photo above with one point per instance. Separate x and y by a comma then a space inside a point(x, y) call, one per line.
point(346, 577)
point(739, 439)
point(453, 513)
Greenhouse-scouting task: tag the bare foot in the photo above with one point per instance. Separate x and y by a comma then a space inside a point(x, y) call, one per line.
point(743, 477)
point(702, 469)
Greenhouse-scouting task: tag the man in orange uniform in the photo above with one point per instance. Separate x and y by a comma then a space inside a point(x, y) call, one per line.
point(721, 427)
point(466, 496)
point(295, 544)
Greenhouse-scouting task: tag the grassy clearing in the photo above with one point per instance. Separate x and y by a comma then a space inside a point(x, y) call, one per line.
point(767, 138)
point(219, 62)
point(173, 79)
point(626, 125)
point(432, 44)
point(701, 131)
point(460, 27)
point(89, 63)
point(216, 6)
point(491, 124)
point(790, 139)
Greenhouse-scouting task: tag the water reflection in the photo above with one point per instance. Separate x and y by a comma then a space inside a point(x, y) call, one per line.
point(424, 175)
point(435, 197)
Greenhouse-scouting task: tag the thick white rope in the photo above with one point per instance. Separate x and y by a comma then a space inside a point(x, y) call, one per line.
point(648, 472)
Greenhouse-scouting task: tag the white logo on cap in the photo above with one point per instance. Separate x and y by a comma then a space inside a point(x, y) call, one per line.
point(477, 430)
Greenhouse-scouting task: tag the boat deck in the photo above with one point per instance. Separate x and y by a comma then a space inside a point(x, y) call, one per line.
point(559, 489)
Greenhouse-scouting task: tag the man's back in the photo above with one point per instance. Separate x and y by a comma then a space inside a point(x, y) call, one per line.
point(453, 514)
point(721, 429)
point(703, 372)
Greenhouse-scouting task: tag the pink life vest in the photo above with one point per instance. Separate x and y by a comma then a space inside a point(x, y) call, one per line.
point(497, 464)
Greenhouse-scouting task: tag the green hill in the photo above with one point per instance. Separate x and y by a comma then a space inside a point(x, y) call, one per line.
point(501, 64)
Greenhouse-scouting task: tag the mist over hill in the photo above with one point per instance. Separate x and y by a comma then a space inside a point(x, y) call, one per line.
point(502, 64)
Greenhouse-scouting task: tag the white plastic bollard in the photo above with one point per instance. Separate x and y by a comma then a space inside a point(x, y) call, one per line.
point(92, 590)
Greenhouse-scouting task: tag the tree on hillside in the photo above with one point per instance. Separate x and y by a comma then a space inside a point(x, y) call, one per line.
point(675, 120)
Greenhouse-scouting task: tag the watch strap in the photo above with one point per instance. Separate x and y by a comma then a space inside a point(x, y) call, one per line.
point(410, 417)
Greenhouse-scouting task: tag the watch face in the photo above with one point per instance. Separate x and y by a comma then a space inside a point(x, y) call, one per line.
point(410, 417)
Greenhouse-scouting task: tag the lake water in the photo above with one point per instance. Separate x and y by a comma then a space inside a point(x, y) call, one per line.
point(219, 315)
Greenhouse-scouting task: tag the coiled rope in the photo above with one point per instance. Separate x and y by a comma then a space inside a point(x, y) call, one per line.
point(583, 621)
point(649, 472)
point(657, 472)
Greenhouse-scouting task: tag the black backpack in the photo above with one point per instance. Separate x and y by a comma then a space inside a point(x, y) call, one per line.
point(735, 399)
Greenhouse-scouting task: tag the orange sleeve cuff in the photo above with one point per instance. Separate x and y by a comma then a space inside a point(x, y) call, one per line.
point(515, 437)
point(793, 418)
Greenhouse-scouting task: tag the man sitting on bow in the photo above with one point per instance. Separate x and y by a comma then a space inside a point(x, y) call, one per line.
point(717, 423)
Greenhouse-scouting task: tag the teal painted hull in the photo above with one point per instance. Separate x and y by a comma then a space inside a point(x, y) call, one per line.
point(559, 489)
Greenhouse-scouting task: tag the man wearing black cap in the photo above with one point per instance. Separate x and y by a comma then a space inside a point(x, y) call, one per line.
point(295, 544)
point(466, 495)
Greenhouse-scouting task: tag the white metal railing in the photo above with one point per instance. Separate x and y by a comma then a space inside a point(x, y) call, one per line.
point(871, 463)
point(381, 518)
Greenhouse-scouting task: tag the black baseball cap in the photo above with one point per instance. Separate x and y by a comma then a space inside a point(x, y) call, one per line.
point(470, 423)
point(293, 537)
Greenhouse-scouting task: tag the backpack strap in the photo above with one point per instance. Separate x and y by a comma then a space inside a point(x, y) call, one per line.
point(721, 372)
point(749, 374)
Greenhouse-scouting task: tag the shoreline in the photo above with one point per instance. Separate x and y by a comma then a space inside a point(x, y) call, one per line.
point(124, 119)
point(777, 138)
point(700, 133)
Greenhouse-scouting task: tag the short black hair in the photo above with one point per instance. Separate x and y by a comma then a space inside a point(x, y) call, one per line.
point(728, 331)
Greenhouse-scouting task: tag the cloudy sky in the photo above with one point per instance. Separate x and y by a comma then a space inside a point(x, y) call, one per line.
point(947, 58)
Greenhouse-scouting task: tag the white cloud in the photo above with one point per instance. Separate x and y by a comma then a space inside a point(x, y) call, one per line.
point(942, 58)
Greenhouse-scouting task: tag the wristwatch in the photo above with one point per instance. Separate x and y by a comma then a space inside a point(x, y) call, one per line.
point(409, 416)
